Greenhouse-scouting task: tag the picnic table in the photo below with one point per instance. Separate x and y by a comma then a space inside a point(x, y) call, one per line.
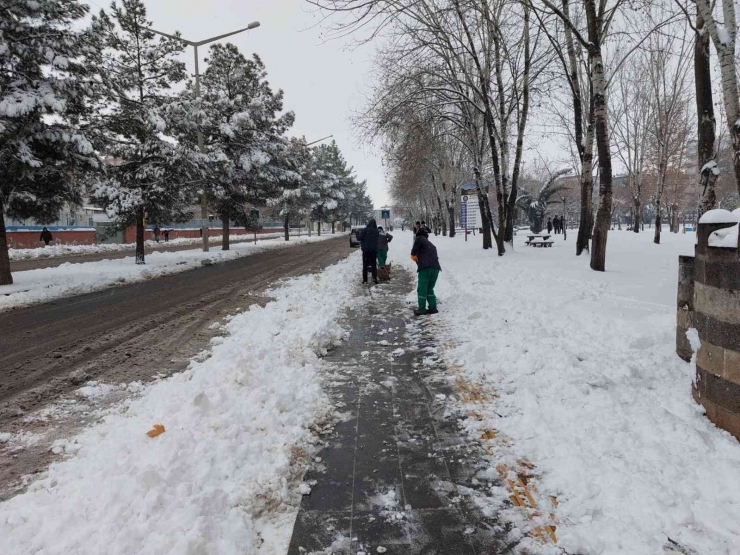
point(537, 240)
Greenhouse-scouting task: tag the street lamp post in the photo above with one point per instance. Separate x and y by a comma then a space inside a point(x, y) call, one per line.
point(195, 45)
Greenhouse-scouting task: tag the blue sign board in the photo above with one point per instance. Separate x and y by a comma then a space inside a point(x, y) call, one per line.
point(385, 214)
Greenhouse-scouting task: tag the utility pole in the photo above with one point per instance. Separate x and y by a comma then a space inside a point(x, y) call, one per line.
point(195, 45)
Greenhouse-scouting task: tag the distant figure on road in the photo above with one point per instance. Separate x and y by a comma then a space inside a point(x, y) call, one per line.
point(549, 225)
point(383, 240)
point(46, 236)
point(555, 224)
point(428, 269)
point(156, 233)
point(369, 241)
point(166, 235)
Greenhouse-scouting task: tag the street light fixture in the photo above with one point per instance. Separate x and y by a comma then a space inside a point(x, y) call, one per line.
point(195, 45)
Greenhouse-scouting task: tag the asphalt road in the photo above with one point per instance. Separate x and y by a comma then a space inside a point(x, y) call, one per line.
point(121, 335)
point(113, 331)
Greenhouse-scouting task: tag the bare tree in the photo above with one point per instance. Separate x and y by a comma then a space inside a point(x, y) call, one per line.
point(632, 114)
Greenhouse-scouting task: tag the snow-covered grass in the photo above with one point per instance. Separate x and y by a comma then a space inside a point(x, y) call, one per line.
point(590, 389)
point(34, 286)
point(224, 477)
point(55, 251)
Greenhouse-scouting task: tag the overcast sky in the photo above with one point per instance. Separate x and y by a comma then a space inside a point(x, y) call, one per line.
point(324, 82)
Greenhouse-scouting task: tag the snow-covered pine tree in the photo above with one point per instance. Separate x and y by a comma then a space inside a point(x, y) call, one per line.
point(243, 131)
point(43, 87)
point(150, 177)
point(294, 201)
point(330, 180)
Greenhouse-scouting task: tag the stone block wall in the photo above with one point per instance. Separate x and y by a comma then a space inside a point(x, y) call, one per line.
point(709, 300)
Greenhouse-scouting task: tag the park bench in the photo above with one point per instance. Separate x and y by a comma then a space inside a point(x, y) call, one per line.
point(541, 241)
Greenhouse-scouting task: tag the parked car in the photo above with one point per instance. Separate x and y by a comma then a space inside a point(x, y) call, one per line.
point(354, 242)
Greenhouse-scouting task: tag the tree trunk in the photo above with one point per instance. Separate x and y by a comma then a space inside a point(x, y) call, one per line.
point(140, 236)
point(585, 225)
point(482, 199)
point(522, 123)
point(286, 226)
point(601, 229)
point(6, 277)
point(706, 124)
point(332, 227)
point(662, 170)
point(637, 209)
point(451, 215)
point(318, 228)
point(724, 44)
point(225, 230)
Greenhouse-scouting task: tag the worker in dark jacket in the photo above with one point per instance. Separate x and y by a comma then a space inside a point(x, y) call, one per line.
point(46, 236)
point(428, 269)
point(383, 239)
point(369, 242)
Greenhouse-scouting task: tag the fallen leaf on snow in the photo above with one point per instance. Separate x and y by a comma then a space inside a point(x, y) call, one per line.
point(157, 429)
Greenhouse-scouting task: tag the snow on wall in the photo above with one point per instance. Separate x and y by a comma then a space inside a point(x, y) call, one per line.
point(718, 216)
point(726, 238)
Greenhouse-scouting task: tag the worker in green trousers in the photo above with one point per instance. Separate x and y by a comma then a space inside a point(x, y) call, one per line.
point(424, 253)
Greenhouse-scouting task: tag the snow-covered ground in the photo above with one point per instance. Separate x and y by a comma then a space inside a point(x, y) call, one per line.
point(34, 286)
point(590, 389)
point(224, 477)
point(55, 251)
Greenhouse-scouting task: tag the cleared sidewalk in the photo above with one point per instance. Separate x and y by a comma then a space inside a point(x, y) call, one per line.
point(397, 474)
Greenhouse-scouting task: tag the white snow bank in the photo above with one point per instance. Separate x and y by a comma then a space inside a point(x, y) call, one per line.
point(224, 477)
point(34, 286)
point(725, 238)
point(718, 216)
point(736, 212)
point(591, 390)
point(55, 251)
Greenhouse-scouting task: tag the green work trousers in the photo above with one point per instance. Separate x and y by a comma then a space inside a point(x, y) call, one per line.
point(382, 256)
point(425, 289)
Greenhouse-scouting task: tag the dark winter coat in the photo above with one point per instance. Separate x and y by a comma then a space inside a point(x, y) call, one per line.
point(46, 236)
point(383, 240)
point(369, 237)
point(424, 252)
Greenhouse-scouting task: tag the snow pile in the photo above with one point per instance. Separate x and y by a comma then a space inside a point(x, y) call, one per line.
point(55, 251)
point(590, 389)
point(34, 286)
point(725, 238)
point(719, 216)
point(224, 476)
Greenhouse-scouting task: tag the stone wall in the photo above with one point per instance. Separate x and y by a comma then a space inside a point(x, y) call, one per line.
point(709, 300)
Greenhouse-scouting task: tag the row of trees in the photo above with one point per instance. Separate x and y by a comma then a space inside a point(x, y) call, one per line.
point(459, 81)
point(107, 112)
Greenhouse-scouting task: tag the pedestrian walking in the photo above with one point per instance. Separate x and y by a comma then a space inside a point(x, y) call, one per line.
point(424, 253)
point(384, 238)
point(369, 243)
point(417, 226)
point(166, 235)
point(549, 225)
point(46, 236)
point(425, 227)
